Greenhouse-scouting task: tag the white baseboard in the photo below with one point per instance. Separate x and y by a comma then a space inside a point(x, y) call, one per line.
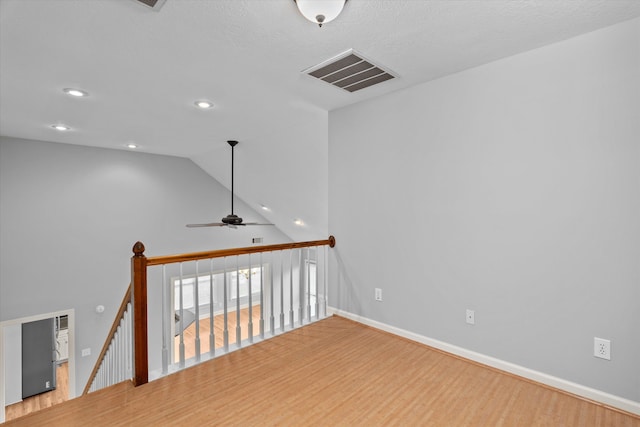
point(559, 383)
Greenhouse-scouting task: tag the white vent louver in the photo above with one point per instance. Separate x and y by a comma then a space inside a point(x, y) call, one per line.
point(349, 71)
point(153, 4)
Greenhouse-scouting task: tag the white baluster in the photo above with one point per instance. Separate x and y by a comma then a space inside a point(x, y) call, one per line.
point(291, 315)
point(308, 264)
point(317, 265)
point(114, 359)
point(196, 303)
point(114, 375)
point(167, 319)
point(225, 309)
point(180, 323)
point(212, 336)
point(238, 328)
point(271, 302)
point(119, 354)
point(250, 322)
point(107, 372)
point(129, 341)
point(261, 297)
point(116, 355)
point(282, 291)
point(325, 279)
point(300, 286)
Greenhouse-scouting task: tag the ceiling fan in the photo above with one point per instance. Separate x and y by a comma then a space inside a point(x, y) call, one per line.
point(232, 221)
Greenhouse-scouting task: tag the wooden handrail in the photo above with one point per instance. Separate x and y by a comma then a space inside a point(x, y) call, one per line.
point(168, 259)
point(116, 322)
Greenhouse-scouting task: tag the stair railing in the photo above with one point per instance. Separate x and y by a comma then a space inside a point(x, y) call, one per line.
point(114, 362)
point(286, 271)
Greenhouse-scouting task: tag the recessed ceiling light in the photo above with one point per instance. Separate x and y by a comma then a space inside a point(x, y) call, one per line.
point(132, 145)
point(265, 208)
point(298, 222)
point(204, 104)
point(60, 127)
point(75, 92)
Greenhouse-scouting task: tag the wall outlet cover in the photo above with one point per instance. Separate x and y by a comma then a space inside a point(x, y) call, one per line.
point(602, 348)
point(471, 317)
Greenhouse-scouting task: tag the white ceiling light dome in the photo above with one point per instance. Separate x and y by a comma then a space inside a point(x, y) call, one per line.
point(320, 11)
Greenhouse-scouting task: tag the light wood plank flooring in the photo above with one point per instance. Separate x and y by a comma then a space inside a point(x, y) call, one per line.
point(44, 400)
point(189, 335)
point(333, 373)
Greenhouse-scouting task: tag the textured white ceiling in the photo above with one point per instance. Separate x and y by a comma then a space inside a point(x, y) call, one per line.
point(144, 69)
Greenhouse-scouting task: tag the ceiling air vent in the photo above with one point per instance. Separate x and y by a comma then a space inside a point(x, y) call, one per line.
point(349, 71)
point(153, 4)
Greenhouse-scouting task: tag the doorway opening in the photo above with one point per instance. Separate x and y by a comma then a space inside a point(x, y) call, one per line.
point(18, 398)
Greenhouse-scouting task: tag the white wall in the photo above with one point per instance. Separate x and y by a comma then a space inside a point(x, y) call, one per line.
point(512, 189)
point(69, 216)
point(12, 347)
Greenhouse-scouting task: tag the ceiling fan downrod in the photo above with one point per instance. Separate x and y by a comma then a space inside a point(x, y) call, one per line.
point(232, 219)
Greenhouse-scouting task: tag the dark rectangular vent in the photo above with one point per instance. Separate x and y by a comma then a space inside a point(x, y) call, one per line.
point(153, 4)
point(349, 71)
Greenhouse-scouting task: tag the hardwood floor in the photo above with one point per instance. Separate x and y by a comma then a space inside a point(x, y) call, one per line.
point(189, 335)
point(334, 372)
point(44, 400)
point(61, 393)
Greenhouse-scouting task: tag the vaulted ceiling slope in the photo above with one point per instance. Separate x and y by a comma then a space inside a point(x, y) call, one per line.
point(144, 69)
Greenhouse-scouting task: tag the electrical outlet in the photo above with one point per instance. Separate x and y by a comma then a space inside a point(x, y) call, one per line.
point(471, 317)
point(378, 294)
point(86, 352)
point(602, 348)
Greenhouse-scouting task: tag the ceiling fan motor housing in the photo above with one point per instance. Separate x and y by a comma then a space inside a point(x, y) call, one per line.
point(232, 220)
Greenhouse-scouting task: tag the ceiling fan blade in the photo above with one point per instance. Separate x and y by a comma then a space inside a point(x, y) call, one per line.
point(255, 223)
point(211, 224)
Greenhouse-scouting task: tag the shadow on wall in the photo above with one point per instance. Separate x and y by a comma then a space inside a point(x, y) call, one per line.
point(347, 297)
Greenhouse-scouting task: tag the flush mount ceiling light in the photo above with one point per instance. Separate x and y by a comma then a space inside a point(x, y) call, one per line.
point(132, 146)
point(320, 11)
point(203, 104)
point(61, 127)
point(75, 92)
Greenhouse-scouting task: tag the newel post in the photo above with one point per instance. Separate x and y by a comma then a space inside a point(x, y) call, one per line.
point(139, 304)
